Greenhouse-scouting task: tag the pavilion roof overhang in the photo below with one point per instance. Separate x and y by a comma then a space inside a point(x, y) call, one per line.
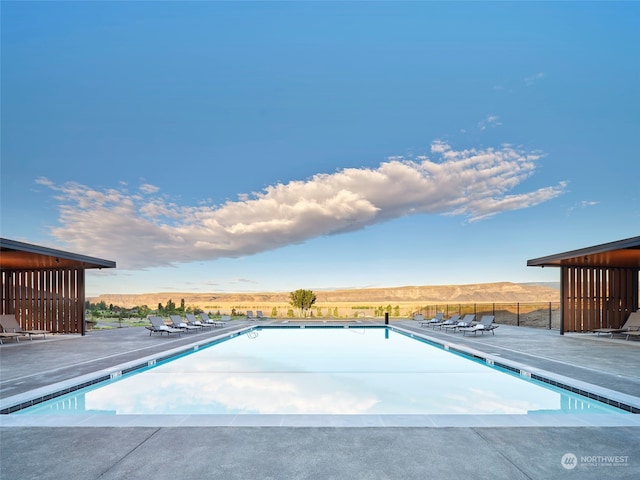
point(16, 255)
point(620, 254)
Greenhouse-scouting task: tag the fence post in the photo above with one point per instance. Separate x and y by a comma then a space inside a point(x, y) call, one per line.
point(549, 315)
point(518, 313)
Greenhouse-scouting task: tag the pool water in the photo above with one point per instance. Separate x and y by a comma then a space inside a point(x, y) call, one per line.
point(321, 371)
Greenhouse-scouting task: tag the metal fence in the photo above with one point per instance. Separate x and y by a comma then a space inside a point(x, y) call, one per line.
point(539, 315)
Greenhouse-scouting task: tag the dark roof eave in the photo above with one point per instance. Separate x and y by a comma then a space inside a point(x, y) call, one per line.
point(87, 261)
point(556, 260)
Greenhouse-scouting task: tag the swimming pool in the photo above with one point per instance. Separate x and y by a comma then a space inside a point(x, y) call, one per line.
point(320, 371)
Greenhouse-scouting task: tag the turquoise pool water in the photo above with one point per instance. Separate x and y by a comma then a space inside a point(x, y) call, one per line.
point(320, 371)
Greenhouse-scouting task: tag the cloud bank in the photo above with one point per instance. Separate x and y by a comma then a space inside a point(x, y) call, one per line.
point(146, 229)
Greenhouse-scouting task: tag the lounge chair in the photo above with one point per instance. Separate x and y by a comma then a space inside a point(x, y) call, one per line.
point(250, 315)
point(9, 324)
point(176, 322)
point(486, 325)
point(632, 323)
point(418, 317)
point(467, 321)
point(215, 323)
point(15, 336)
point(194, 322)
point(436, 319)
point(635, 333)
point(259, 315)
point(158, 326)
point(451, 321)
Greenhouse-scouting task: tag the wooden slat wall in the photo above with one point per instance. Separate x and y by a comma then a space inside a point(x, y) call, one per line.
point(598, 294)
point(50, 300)
point(597, 297)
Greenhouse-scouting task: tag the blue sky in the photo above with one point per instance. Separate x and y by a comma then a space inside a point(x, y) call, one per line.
point(270, 146)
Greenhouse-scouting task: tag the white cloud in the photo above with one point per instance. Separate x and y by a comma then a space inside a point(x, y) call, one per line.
point(489, 121)
point(44, 181)
point(582, 204)
point(145, 229)
point(147, 188)
point(529, 81)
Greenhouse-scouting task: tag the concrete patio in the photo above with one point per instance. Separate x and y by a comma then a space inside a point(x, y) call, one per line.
point(323, 446)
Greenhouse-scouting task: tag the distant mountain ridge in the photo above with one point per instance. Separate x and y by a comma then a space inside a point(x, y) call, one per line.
point(499, 292)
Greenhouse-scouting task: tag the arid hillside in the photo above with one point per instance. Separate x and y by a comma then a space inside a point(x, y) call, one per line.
point(418, 295)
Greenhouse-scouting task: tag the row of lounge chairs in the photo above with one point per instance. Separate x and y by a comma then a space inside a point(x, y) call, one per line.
point(10, 328)
point(258, 315)
point(190, 323)
point(456, 324)
point(630, 328)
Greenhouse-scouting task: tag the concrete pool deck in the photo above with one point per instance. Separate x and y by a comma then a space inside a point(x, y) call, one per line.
point(333, 447)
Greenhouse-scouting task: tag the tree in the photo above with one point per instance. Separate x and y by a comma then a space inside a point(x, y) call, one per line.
point(274, 312)
point(303, 300)
point(171, 306)
point(143, 311)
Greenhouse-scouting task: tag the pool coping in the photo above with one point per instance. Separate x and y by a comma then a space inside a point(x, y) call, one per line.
point(620, 400)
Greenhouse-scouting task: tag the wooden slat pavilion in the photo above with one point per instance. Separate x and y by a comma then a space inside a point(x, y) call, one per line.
point(43, 287)
point(598, 285)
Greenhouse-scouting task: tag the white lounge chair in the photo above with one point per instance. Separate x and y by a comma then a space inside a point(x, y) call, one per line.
point(158, 326)
point(250, 315)
point(451, 321)
point(9, 324)
point(486, 325)
point(15, 336)
point(259, 315)
point(436, 319)
point(467, 321)
point(635, 333)
point(215, 323)
point(176, 321)
point(194, 322)
point(632, 323)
